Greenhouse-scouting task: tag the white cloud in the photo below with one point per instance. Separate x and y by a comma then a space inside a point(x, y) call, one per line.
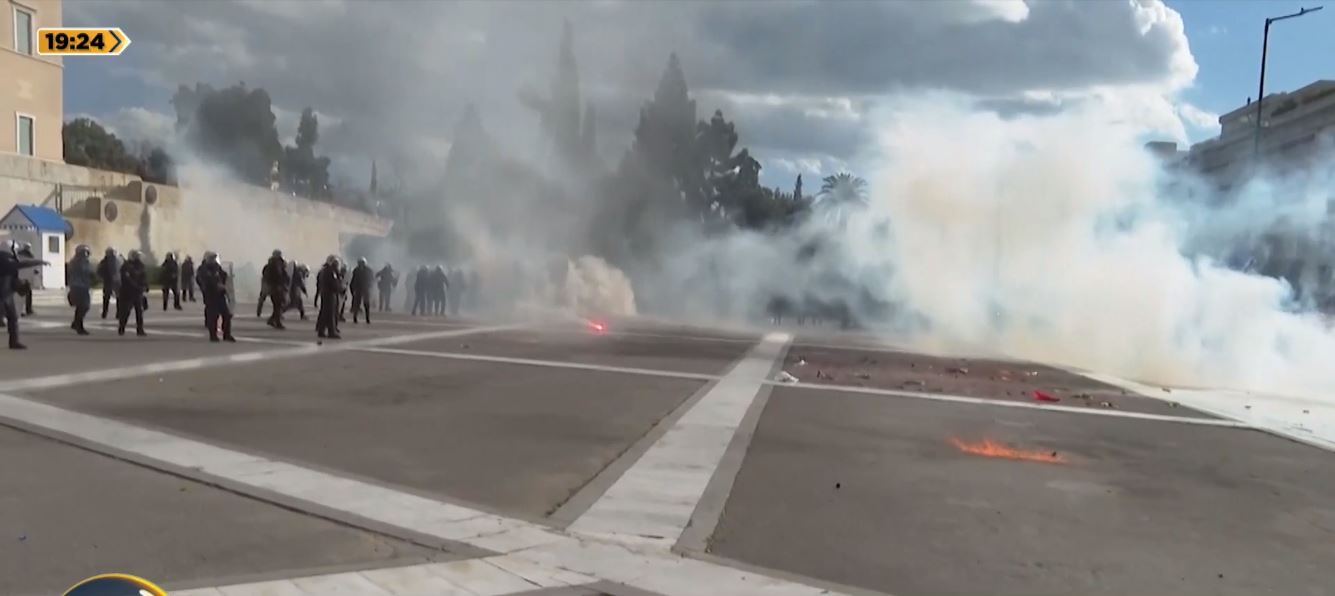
point(137, 124)
point(797, 76)
point(1011, 11)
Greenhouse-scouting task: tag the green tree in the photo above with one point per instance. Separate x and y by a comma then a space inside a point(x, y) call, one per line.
point(303, 172)
point(90, 145)
point(571, 138)
point(840, 196)
point(232, 126)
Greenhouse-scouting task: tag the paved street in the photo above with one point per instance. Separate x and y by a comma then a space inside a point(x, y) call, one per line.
point(432, 456)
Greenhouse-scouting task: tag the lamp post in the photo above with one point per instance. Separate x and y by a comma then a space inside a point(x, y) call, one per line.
point(1260, 94)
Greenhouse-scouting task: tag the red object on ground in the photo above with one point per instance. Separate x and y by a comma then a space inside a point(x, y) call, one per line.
point(1040, 396)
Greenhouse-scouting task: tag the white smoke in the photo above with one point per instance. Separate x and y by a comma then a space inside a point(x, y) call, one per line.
point(1049, 238)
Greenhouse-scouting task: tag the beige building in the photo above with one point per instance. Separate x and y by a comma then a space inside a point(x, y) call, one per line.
point(1296, 128)
point(31, 100)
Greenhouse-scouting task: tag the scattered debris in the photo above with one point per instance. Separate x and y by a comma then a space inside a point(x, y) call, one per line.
point(913, 365)
point(957, 370)
point(1167, 390)
point(784, 377)
point(1084, 396)
point(1248, 406)
point(1306, 412)
point(837, 485)
point(862, 375)
point(23, 537)
point(1108, 404)
point(464, 346)
point(801, 361)
point(1031, 373)
point(820, 374)
point(1040, 396)
point(914, 383)
point(1172, 404)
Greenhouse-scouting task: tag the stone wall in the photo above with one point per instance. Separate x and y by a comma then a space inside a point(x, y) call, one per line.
point(242, 223)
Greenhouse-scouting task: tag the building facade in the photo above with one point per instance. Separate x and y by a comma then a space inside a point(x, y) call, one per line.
point(31, 96)
point(1297, 128)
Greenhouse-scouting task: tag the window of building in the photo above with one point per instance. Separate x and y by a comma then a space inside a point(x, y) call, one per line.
point(53, 245)
point(23, 31)
point(26, 131)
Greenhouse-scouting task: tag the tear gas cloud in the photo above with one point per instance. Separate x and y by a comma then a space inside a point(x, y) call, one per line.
point(1055, 238)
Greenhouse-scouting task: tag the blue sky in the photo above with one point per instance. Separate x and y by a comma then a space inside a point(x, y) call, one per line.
point(1225, 38)
point(799, 78)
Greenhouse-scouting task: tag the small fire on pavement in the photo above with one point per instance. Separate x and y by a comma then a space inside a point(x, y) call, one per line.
point(990, 448)
point(597, 327)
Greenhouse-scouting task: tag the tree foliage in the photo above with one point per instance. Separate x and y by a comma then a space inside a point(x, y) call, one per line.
point(571, 137)
point(235, 126)
point(841, 195)
point(302, 171)
point(90, 145)
point(694, 170)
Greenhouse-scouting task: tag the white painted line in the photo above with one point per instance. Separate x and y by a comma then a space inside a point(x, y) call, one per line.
point(670, 575)
point(962, 399)
point(654, 499)
point(547, 363)
point(1306, 421)
point(126, 372)
point(469, 577)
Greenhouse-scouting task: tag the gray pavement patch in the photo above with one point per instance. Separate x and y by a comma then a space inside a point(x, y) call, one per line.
point(546, 363)
point(871, 493)
point(1002, 380)
point(682, 355)
point(69, 514)
point(512, 438)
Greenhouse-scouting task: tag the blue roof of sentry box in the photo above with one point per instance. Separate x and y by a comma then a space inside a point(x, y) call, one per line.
point(45, 219)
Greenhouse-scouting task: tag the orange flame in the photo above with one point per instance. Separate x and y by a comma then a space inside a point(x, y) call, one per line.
point(988, 448)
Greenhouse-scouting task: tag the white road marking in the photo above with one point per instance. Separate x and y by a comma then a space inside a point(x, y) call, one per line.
point(126, 372)
point(962, 399)
point(546, 363)
point(470, 577)
point(654, 499)
point(1306, 421)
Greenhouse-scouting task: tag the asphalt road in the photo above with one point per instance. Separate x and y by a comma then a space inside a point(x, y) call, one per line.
point(855, 489)
point(871, 491)
point(66, 514)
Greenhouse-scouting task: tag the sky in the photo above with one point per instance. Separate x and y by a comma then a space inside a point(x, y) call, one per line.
point(800, 78)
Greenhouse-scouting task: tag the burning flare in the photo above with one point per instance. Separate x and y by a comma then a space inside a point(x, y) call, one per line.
point(988, 448)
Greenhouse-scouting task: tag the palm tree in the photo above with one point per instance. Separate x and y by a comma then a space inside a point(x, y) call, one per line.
point(840, 195)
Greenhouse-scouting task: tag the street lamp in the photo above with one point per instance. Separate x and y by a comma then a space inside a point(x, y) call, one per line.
point(1260, 94)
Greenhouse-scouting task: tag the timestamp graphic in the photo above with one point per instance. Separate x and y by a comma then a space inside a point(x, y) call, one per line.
point(81, 41)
